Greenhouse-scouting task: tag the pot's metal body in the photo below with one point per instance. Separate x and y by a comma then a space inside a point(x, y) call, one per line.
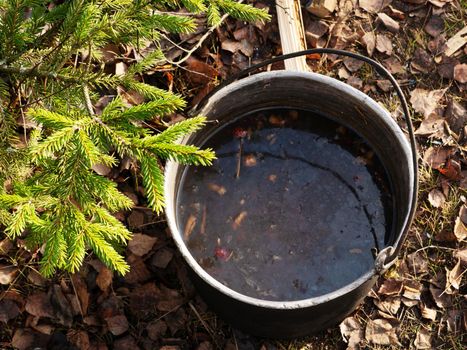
point(345, 105)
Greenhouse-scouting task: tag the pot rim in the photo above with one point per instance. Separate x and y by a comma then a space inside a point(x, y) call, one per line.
point(172, 167)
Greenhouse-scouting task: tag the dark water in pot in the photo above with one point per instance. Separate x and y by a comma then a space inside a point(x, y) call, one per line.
point(296, 206)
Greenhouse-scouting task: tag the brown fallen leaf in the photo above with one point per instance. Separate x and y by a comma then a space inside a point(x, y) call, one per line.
point(422, 61)
point(461, 254)
point(456, 116)
point(138, 273)
point(423, 339)
point(433, 126)
point(435, 157)
point(441, 299)
point(454, 276)
point(429, 314)
point(352, 64)
point(434, 26)
point(383, 44)
point(417, 263)
point(393, 65)
point(117, 324)
point(8, 274)
point(162, 258)
point(460, 73)
point(389, 305)
point(8, 310)
point(412, 290)
point(141, 244)
point(426, 101)
point(382, 332)
point(39, 305)
point(373, 6)
point(369, 39)
point(36, 278)
point(352, 332)
point(446, 67)
point(126, 343)
point(388, 22)
point(5, 246)
point(25, 339)
point(79, 338)
point(436, 198)
point(390, 287)
point(199, 72)
point(314, 31)
point(452, 170)
point(104, 278)
point(61, 307)
point(453, 321)
point(456, 42)
point(355, 82)
point(136, 219)
point(156, 329)
point(80, 288)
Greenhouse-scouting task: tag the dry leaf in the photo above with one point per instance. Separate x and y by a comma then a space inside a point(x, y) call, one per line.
point(141, 244)
point(417, 263)
point(101, 169)
point(5, 246)
point(381, 332)
point(436, 198)
point(7, 274)
point(389, 305)
point(39, 305)
point(369, 39)
point(351, 331)
point(435, 26)
point(456, 116)
point(390, 287)
point(61, 307)
point(460, 73)
point(355, 82)
point(8, 310)
point(429, 314)
point(200, 73)
point(352, 64)
point(388, 22)
point(104, 278)
point(452, 170)
point(422, 61)
point(454, 276)
point(117, 324)
point(446, 67)
point(393, 65)
point(162, 258)
point(373, 6)
point(435, 157)
point(156, 329)
point(79, 338)
point(412, 290)
point(423, 339)
point(424, 101)
point(460, 228)
point(138, 271)
point(383, 44)
point(136, 219)
point(80, 288)
point(462, 256)
point(456, 42)
point(432, 126)
point(442, 299)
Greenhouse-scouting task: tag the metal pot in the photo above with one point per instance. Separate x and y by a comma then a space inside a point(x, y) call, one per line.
point(347, 106)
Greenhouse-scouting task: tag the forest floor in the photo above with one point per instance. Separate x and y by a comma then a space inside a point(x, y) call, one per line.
point(420, 303)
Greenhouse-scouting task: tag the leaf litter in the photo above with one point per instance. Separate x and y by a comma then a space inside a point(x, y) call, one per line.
point(431, 72)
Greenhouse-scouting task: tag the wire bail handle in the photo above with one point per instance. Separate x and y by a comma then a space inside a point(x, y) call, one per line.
point(388, 255)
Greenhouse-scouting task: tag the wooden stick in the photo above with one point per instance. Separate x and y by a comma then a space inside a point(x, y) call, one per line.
point(289, 17)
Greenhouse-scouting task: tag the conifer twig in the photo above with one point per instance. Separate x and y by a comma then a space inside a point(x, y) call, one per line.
point(201, 40)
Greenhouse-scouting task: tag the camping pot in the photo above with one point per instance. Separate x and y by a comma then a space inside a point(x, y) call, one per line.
point(344, 105)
